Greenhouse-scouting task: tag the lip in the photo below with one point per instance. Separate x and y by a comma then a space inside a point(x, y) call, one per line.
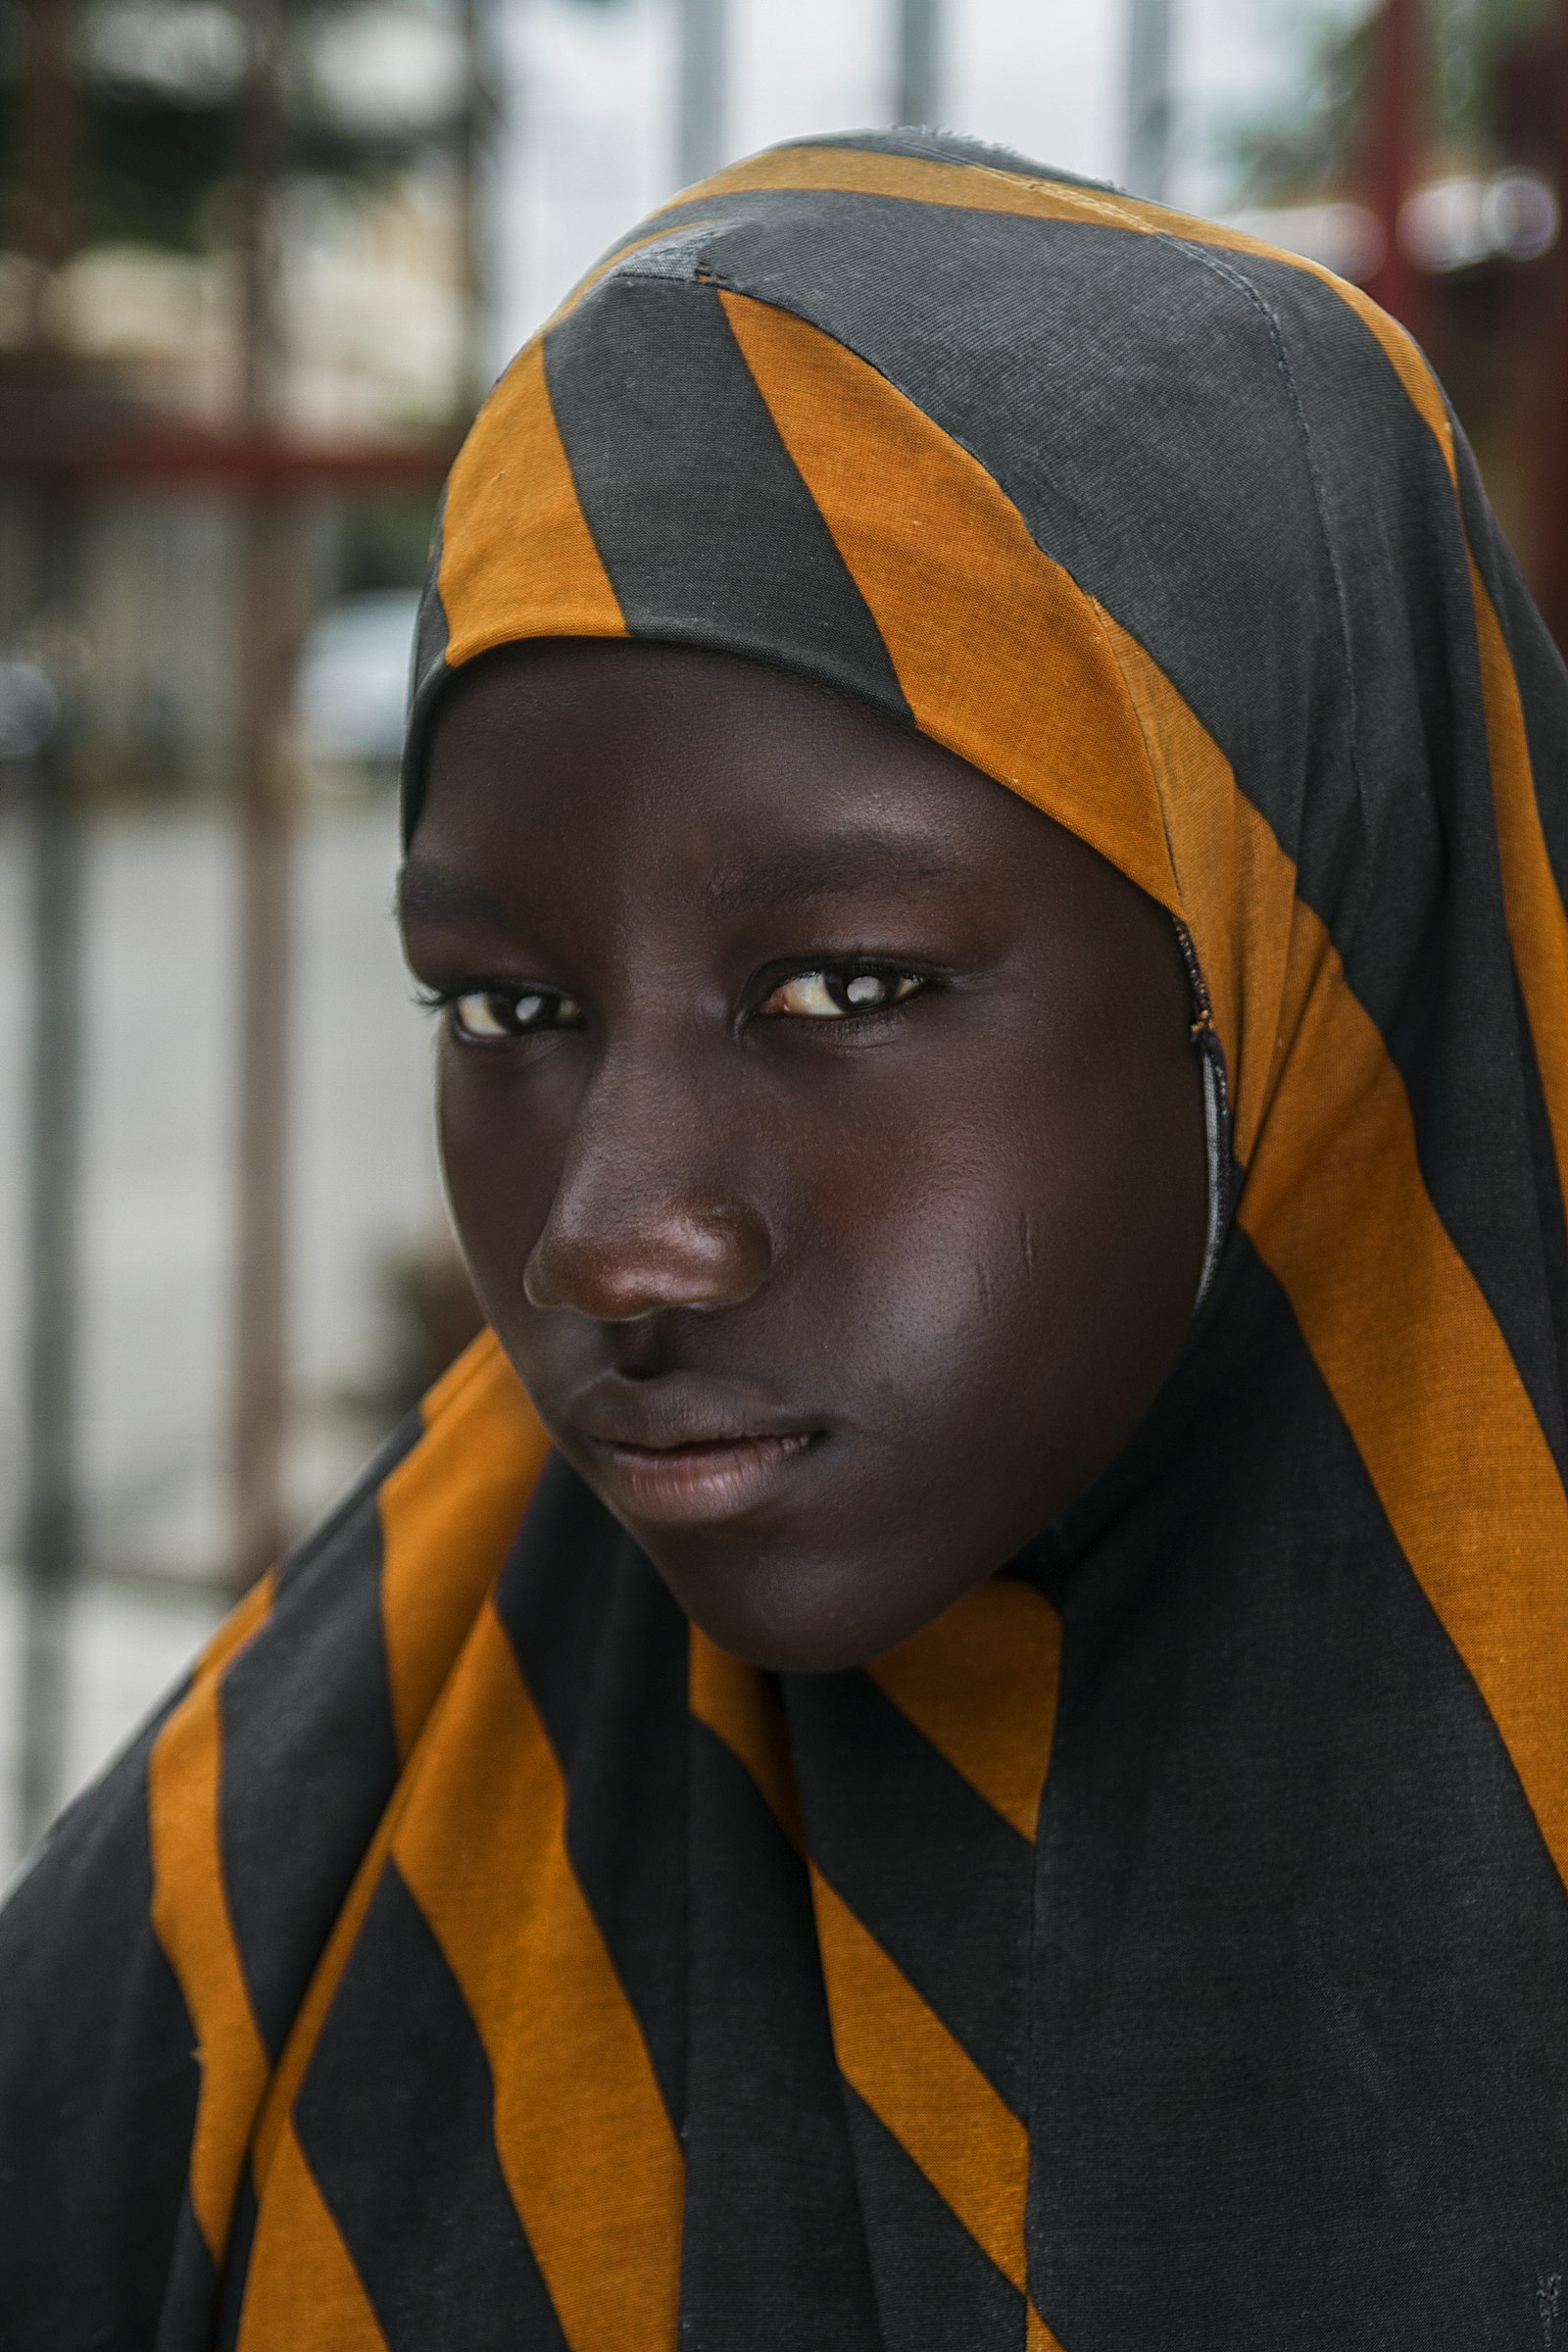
point(691, 1485)
point(679, 1451)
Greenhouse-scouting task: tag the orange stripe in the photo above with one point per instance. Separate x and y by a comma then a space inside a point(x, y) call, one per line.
point(1045, 710)
point(980, 1683)
point(449, 1513)
point(1236, 886)
point(1040, 2337)
point(745, 1711)
point(1113, 753)
point(520, 561)
point(981, 187)
point(583, 2135)
point(1336, 1204)
point(191, 1919)
point(302, 2290)
point(926, 2090)
point(1538, 928)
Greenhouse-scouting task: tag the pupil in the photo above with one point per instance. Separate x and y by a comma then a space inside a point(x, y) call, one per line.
point(866, 988)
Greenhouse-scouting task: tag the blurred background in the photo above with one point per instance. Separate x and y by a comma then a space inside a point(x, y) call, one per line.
point(257, 261)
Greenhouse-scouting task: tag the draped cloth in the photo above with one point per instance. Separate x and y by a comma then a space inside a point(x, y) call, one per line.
point(1168, 1946)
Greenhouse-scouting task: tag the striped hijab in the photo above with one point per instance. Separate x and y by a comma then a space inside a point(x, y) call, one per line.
point(1168, 1946)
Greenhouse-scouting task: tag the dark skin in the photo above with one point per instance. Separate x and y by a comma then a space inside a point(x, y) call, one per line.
point(822, 1125)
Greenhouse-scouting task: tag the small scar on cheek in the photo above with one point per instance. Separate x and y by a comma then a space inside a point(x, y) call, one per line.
point(1026, 1243)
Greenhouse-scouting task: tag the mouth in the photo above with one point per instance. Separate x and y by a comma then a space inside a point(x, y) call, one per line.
point(689, 1486)
point(679, 1455)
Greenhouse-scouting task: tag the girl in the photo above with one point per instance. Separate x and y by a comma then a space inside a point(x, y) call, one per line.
point(871, 1774)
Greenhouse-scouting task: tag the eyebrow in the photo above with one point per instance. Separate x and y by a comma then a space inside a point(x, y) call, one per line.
point(436, 895)
point(834, 869)
point(797, 876)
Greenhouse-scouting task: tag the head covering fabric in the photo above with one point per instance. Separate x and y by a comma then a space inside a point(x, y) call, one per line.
point(1167, 1947)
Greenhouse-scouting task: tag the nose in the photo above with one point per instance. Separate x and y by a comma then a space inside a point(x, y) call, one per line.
point(640, 1222)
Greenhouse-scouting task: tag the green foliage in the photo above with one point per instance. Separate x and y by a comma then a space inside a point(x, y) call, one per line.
point(160, 135)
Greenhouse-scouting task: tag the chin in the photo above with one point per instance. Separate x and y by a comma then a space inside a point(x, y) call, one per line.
point(790, 1612)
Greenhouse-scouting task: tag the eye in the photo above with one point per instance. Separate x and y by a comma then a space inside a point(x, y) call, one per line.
point(489, 1016)
point(837, 991)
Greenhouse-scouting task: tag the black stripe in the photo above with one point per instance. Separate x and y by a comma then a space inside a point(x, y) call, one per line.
point(308, 1737)
point(396, 2119)
point(1550, 1233)
point(935, 1874)
point(691, 495)
point(603, 1648)
point(1297, 2038)
point(186, 2322)
point(1537, 665)
point(936, 2287)
point(237, 2265)
point(98, 2085)
point(428, 673)
point(774, 2252)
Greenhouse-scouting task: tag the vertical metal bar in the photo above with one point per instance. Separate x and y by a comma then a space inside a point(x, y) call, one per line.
point(700, 135)
point(920, 63)
point(1148, 98)
point(266, 847)
point(267, 821)
point(1393, 149)
point(50, 1531)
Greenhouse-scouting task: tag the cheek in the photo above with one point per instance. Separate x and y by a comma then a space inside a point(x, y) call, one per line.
point(1009, 1290)
point(500, 1165)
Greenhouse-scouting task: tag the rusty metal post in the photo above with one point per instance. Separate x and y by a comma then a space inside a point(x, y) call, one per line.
point(1393, 153)
point(50, 1529)
point(51, 166)
point(473, 256)
point(266, 826)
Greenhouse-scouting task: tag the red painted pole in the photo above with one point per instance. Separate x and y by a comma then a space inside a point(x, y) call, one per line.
point(1551, 466)
point(1393, 154)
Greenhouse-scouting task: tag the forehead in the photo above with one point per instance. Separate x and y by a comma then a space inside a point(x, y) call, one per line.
point(583, 755)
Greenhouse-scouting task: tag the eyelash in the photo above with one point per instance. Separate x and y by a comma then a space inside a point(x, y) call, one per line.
point(845, 973)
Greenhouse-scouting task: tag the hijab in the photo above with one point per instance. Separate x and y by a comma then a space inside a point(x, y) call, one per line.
point(1168, 1944)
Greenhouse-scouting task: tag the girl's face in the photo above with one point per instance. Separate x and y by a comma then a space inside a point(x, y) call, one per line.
point(821, 1122)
